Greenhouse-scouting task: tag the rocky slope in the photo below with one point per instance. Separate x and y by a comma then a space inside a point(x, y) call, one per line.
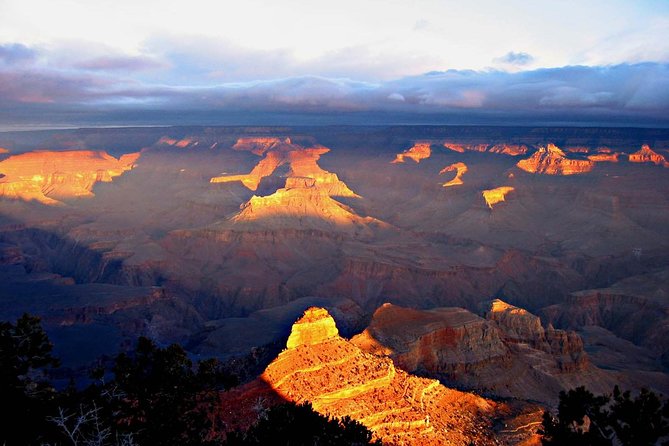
point(48, 177)
point(505, 149)
point(550, 160)
point(339, 379)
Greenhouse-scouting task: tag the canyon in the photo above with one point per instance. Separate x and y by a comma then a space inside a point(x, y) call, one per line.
point(487, 259)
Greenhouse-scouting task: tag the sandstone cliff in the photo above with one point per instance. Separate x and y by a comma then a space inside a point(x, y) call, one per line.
point(505, 149)
point(48, 177)
point(419, 151)
point(460, 169)
point(339, 379)
point(550, 160)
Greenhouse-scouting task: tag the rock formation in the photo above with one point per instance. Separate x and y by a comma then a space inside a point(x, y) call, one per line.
point(604, 157)
point(3, 151)
point(179, 143)
point(339, 379)
point(550, 160)
point(48, 177)
point(507, 354)
point(505, 149)
point(460, 169)
point(497, 195)
point(301, 202)
point(647, 155)
point(417, 152)
point(303, 163)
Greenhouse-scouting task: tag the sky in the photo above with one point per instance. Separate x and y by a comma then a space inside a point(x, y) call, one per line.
point(125, 62)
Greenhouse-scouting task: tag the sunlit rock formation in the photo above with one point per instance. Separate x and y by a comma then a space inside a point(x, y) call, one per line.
point(647, 155)
point(48, 177)
point(507, 353)
point(179, 143)
point(3, 150)
point(505, 149)
point(419, 151)
point(302, 163)
point(301, 202)
point(604, 157)
point(460, 169)
point(550, 160)
point(497, 195)
point(339, 379)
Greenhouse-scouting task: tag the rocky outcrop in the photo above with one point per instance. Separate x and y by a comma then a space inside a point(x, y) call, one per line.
point(505, 149)
point(339, 379)
point(550, 160)
point(302, 163)
point(497, 195)
point(647, 155)
point(178, 143)
point(604, 157)
point(48, 177)
point(507, 354)
point(419, 151)
point(460, 169)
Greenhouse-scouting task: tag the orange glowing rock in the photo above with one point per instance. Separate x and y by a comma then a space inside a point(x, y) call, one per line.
point(300, 202)
point(509, 149)
point(417, 152)
point(339, 379)
point(460, 169)
point(578, 149)
point(551, 160)
point(3, 150)
point(303, 162)
point(182, 143)
point(604, 157)
point(497, 195)
point(647, 155)
point(47, 177)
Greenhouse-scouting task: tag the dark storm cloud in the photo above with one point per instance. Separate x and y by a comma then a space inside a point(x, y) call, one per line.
point(635, 93)
point(513, 58)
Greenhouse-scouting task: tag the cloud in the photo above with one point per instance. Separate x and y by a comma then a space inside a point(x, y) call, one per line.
point(130, 85)
point(120, 63)
point(12, 53)
point(513, 58)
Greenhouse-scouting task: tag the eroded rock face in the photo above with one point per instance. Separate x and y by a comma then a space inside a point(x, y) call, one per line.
point(497, 195)
point(647, 155)
point(550, 160)
point(419, 151)
point(604, 157)
point(339, 379)
point(460, 169)
point(48, 177)
point(507, 354)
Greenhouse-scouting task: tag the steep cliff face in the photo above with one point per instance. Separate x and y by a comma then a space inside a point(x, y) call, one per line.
point(339, 379)
point(550, 160)
point(647, 155)
point(460, 169)
point(507, 354)
point(48, 177)
point(497, 195)
point(419, 151)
